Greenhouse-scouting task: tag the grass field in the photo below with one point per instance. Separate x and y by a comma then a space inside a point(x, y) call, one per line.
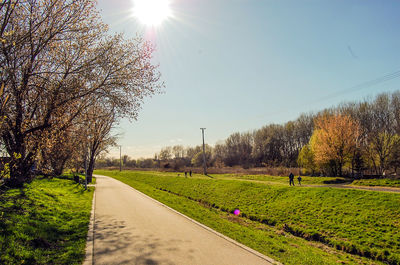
point(378, 182)
point(280, 180)
point(46, 222)
point(295, 225)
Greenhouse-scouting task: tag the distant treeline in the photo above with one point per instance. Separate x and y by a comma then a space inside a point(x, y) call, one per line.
point(354, 138)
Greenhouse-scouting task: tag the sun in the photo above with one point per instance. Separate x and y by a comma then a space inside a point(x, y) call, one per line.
point(151, 12)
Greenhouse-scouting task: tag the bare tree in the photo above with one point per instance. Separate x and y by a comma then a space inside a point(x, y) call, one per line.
point(382, 138)
point(56, 60)
point(99, 122)
point(165, 153)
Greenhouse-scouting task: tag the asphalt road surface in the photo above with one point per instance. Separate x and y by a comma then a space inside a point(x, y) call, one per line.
point(131, 228)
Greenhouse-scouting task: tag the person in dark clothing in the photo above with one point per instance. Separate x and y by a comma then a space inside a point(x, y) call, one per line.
point(185, 174)
point(299, 179)
point(190, 173)
point(291, 179)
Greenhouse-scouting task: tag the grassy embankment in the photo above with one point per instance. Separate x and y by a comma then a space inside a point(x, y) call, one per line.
point(306, 180)
point(281, 180)
point(46, 222)
point(378, 182)
point(295, 225)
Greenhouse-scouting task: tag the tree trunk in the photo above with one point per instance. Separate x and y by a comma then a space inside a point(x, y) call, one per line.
point(91, 163)
point(57, 162)
point(21, 160)
point(20, 172)
point(59, 168)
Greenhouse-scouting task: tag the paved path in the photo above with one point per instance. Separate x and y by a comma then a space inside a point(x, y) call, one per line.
point(131, 228)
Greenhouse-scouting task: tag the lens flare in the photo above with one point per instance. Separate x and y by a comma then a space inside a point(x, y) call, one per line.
point(151, 12)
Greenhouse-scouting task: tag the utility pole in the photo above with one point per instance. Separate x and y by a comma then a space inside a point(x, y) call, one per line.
point(120, 158)
point(204, 154)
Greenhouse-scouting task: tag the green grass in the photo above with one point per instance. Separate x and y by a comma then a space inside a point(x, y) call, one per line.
point(306, 180)
point(46, 222)
point(377, 182)
point(352, 226)
point(278, 179)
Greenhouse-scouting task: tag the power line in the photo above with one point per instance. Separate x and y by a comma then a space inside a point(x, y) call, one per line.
point(363, 85)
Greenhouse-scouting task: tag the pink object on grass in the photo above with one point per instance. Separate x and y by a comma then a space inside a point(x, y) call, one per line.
point(236, 212)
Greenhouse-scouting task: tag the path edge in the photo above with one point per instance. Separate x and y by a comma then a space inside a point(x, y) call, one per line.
point(252, 251)
point(89, 256)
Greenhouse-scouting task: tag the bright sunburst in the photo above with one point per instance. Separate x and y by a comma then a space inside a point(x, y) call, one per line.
point(151, 12)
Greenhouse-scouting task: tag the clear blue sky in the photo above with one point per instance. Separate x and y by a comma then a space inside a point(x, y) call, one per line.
point(237, 65)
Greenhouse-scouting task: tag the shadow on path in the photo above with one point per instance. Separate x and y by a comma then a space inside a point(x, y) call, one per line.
point(115, 243)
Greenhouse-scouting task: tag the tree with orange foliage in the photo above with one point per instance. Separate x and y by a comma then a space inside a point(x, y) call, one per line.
point(335, 140)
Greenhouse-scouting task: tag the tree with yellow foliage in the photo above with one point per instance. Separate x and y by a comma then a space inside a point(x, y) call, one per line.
point(335, 139)
point(306, 159)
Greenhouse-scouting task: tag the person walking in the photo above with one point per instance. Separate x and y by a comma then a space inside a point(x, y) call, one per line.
point(299, 179)
point(291, 179)
point(185, 174)
point(190, 173)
